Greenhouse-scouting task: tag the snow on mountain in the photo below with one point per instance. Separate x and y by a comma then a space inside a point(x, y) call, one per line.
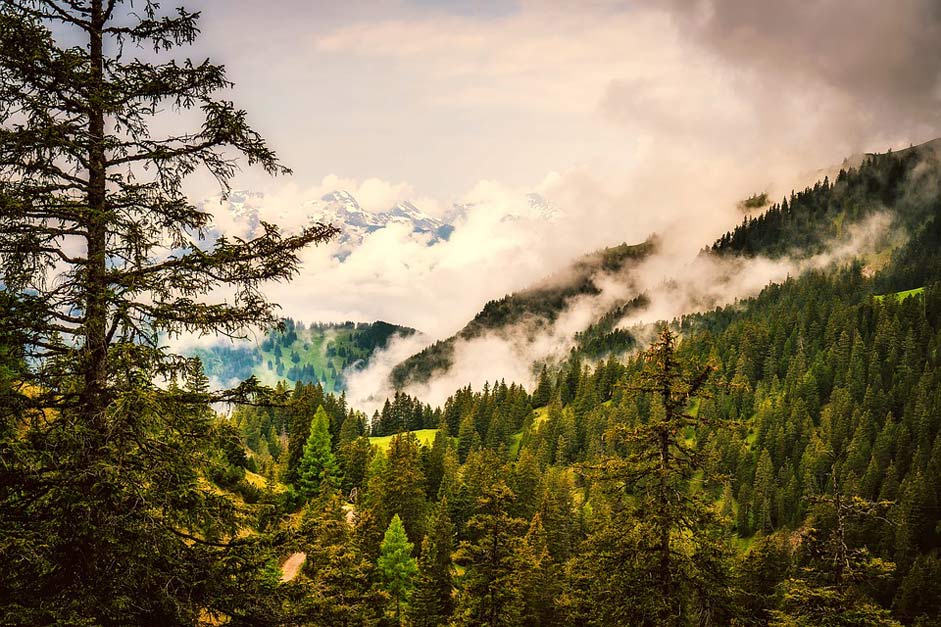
point(341, 209)
point(542, 208)
point(241, 214)
point(536, 208)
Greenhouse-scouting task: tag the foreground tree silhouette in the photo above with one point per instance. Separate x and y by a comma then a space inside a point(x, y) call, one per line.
point(105, 510)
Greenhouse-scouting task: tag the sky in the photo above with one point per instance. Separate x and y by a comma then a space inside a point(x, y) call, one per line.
point(632, 118)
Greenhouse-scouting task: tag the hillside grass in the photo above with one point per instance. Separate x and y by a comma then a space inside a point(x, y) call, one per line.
point(515, 440)
point(311, 346)
point(540, 415)
point(900, 295)
point(426, 437)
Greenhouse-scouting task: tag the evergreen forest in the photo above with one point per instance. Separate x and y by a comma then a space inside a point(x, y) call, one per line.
point(775, 462)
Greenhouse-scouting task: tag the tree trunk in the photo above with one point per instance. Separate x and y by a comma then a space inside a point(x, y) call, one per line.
point(95, 354)
point(666, 578)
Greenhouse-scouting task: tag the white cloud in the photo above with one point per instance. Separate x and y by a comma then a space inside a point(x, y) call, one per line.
point(676, 282)
point(632, 118)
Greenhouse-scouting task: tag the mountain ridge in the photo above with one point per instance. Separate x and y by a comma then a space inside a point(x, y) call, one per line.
point(528, 311)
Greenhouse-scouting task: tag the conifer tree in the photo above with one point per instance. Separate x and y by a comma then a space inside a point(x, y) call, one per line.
point(490, 593)
point(351, 428)
point(543, 391)
point(105, 501)
point(432, 601)
point(831, 590)
point(318, 466)
point(541, 578)
point(353, 458)
point(334, 589)
point(434, 460)
point(398, 486)
point(396, 567)
point(304, 400)
point(669, 535)
point(468, 438)
point(526, 483)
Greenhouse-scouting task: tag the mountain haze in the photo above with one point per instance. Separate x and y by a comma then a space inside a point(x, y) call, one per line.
point(525, 315)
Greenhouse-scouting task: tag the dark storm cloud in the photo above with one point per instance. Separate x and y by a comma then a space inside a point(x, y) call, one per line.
point(883, 56)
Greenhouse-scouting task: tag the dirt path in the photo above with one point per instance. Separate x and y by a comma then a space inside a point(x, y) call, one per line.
point(292, 565)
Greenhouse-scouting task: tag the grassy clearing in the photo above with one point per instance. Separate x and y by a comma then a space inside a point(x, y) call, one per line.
point(515, 440)
point(425, 438)
point(540, 415)
point(900, 295)
point(742, 544)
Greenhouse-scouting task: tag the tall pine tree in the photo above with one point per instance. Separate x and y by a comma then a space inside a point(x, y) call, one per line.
point(318, 466)
point(104, 497)
point(396, 567)
point(432, 601)
point(666, 541)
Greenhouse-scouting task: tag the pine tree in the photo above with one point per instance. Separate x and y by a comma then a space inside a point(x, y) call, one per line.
point(102, 256)
point(831, 590)
point(919, 595)
point(543, 391)
point(468, 438)
point(541, 578)
point(398, 486)
point(301, 408)
point(526, 483)
point(759, 576)
point(334, 589)
point(318, 466)
point(490, 593)
point(805, 605)
point(763, 494)
point(396, 567)
point(670, 536)
point(557, 519)
point(353, 458)
point(434, 466)
point(432, 601)
point(352, 428)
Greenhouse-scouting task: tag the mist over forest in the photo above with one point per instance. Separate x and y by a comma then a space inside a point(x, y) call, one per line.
point(494, 313)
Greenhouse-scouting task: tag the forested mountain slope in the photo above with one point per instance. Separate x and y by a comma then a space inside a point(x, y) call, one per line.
point(904, 184)
point(318, 353)
point(529, 311)
point(781, 458)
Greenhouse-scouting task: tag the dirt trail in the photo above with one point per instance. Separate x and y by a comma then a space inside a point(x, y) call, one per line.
point(292, 565)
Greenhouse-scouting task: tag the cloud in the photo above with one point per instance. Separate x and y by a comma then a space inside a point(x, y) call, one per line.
point(680, 284)
point(675, 284)
point(862, 71)
point(499, 245)
point(631, 118)
point(368, 388)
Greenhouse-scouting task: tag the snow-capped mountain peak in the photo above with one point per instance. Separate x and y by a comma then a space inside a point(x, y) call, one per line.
point(241, 213)
point(542, 207)
point(420, 221)
point(342, 210)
